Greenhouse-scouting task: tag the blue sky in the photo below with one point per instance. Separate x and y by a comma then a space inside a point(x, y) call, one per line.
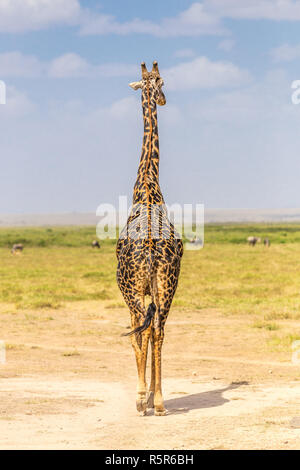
point(71, 130)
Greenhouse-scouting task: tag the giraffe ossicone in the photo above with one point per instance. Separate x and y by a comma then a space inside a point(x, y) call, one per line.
point(149, 251)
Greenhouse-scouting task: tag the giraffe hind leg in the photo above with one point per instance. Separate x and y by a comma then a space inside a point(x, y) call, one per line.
point(150, 403)
point(140, 343)
point(165, 296)
point(159, 409)
point(155, 398)
point(140, 340)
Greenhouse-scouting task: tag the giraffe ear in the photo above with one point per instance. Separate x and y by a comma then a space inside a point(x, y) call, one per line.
point(136, 85)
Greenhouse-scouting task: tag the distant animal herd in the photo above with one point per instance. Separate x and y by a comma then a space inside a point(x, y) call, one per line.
point(253, 240)
point(17, 248)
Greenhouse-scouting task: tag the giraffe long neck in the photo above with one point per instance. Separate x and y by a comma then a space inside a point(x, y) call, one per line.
point(146, 189)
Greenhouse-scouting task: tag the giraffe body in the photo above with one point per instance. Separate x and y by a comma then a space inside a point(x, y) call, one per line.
point(149, 251)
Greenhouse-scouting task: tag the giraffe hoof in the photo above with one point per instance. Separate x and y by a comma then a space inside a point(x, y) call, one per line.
point(160, 412)
point(150, 403)
point(141, 405)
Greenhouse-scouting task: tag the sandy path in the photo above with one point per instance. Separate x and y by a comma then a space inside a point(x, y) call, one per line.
point(48, 412)
point(69, 383)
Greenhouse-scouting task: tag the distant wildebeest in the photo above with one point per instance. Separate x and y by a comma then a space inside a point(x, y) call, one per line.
point(17, 248)
point(96, 244)
point(267, 242)
point(253, 240)
point(196, 241)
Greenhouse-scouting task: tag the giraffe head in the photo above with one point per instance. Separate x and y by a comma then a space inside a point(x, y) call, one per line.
point(151, 81)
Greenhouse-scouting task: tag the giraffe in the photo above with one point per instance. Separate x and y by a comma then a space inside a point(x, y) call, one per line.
point(149, 252)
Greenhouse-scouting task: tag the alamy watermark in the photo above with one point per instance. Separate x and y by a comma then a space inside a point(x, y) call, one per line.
point(2, 92)
point(296, 352)
point(154, 220)
point(296, 94)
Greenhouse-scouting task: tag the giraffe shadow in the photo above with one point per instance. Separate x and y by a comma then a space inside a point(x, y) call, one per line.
point(200, 400)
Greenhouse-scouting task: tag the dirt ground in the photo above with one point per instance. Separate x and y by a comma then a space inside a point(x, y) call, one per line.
point(69, 383)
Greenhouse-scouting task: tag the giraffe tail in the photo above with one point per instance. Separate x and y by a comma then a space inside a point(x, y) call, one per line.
point(149, 315)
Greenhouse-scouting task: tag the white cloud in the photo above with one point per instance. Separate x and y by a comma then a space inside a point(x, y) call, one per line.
point(286, 53)
point(194, 21)
point(69, 65)
point(73, 65)
point(226, 45)
point(197, 73)
point(16, 64)
point(198, 19)
point(255, 9)
point(203, 73)
point(191, 22)
point(18, 16)
point(265, 101)
point(123, 108)
point(182, 53)
point(17, 104)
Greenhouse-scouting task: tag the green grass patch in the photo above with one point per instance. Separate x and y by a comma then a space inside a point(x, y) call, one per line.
point(83, 236)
